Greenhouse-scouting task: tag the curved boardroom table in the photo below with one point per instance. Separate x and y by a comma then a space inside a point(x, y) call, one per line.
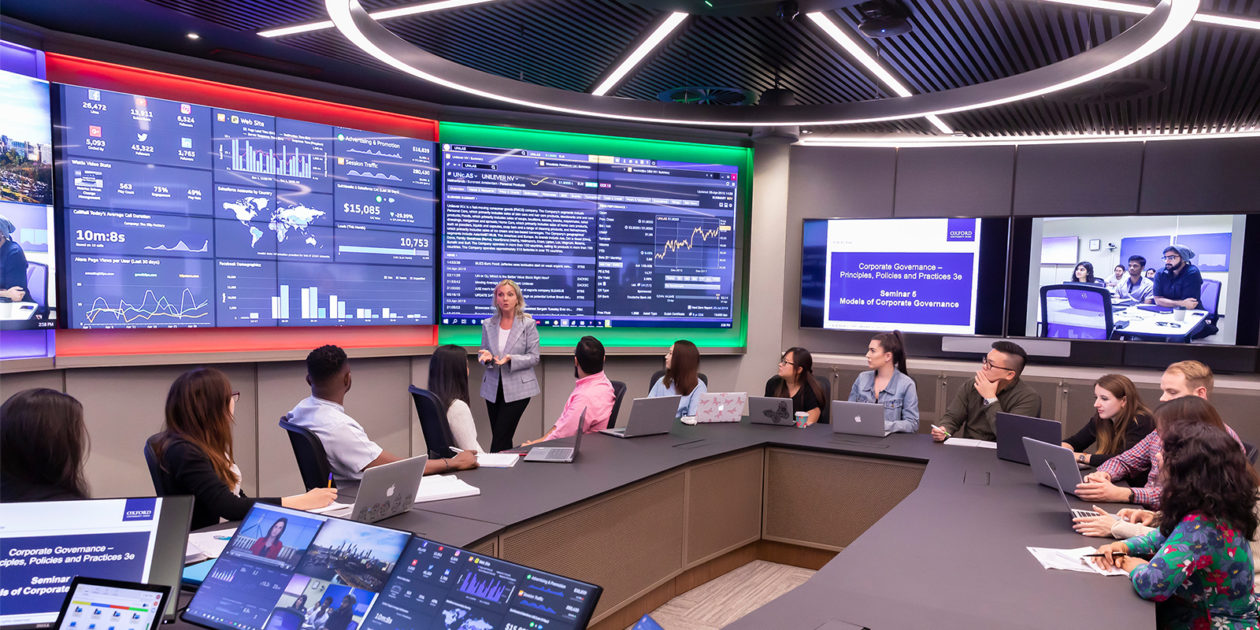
point(930, 534)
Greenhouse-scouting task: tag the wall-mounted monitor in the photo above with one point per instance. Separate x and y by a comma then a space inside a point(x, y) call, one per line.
point(942, 276)
point(183, 215)
point(1147, 287)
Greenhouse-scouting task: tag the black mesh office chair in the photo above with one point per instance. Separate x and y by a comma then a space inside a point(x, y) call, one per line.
point(312, 461)
point(1076, 311)
point(824, 405)
point(1209, 299)
point(155, 467)
point(656, 376)
point(437, 431)
point(619, 390)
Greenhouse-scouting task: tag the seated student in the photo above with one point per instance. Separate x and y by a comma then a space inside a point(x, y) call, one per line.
point(349, 450)
point(795, 380)
point(1150, 274)
point(195, 451)
point(888, 383)
point(1201, 570)
point(43, 444)
point(997, 387)
point(1084, 274)
point(682, 378)
point(318, 615)
point(1120, 421)
point(341, 617)
point(1135, 287)
point(448, 380)
point(1143, 458)
point(1180, 283)
point(1118, 278)
point(593, 393)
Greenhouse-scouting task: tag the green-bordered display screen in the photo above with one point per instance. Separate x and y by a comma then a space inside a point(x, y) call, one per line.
point(638, 242)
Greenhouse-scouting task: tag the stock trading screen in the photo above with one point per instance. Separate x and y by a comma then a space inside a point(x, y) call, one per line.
point(182, 215)
point(593, 240)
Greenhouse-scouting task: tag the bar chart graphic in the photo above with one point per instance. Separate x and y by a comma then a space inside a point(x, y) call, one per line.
point(245, 158)
point(486, 587)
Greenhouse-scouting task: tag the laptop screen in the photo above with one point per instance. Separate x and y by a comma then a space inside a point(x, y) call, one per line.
point(287, 570)
point(438, 586)
point(44, 545)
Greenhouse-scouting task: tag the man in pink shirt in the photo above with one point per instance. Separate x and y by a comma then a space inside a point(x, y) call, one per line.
point(593, 392)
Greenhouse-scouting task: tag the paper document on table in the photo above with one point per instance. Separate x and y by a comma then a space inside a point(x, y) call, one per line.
point(1071, 560)
point(205, 545)
point(497, 460)
point(438, 487)
point(333, 509)
point(970, 442)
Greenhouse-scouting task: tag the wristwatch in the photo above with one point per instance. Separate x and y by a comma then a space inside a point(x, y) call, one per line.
point(990, 401)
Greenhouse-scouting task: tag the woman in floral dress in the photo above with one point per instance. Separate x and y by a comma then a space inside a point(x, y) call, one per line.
point(1200, 571)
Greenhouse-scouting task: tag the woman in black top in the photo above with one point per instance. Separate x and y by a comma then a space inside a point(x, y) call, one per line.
point(43, 444)
point(195, 451)
point(1120, 421)
point(341, 618)
point(795, 380)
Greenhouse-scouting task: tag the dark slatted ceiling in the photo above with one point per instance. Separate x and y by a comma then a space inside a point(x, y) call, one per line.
point(1211, 74)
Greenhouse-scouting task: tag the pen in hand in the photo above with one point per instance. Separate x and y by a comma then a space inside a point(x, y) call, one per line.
point(947, 434)
point(1116, 554)
point(330, 480)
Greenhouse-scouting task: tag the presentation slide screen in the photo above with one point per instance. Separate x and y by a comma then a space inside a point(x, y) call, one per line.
point(28, 255)
point(285, 569)
point(44, 545)
point(913, 275)
point(592, 240)
point(1124, 255)
point(183, 215)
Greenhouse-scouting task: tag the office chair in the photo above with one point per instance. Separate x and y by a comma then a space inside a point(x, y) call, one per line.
point(155, 467)
point(660, 373)
point(37, 282)
point(1209, 299)
point(619, 390)
point(437, 431)
point(1082, 311)
point(824, 405)
point(312, 460)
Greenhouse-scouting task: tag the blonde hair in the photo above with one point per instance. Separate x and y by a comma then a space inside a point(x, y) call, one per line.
point(1196, 374)
point(520, 298)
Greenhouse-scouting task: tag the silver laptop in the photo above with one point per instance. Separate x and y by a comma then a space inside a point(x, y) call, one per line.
point(559, 454)
point(1013, 428)
point(1074, 512)
point(858, 418)
point(776, 411)
point(721, 407)
point(388, 489)
point(1053, 465)
point(648, 416)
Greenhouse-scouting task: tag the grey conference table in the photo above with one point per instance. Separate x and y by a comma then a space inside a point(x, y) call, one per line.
point(932, 535)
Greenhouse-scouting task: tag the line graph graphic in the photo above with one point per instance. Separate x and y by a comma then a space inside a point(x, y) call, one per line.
point(541, 607)
point(485, 586)
point(149, 308)
point(180, 247)
point(687, 242)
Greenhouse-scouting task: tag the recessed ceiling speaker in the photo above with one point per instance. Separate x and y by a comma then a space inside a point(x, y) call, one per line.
point(777, 135)
point(884, 18)
point(708, 95)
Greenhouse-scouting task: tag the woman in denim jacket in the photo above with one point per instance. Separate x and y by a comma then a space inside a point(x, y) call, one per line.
point(888, 383)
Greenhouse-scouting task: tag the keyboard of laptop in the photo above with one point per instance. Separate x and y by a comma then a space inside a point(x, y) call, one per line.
point(1079, 513)
point(552, 452)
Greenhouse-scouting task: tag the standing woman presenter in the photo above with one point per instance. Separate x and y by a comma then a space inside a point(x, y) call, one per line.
point(509, 350)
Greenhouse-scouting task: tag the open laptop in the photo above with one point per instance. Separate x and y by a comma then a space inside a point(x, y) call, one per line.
point(1053, 465)
point(649, 416)
point(721, 407)
point(1013, 428)
point(1074, 512)
point(388, 490)
point(776, 411)
point(561, 454)
point(857, 418)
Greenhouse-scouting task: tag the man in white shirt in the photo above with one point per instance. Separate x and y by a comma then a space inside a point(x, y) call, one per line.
point(347, 445)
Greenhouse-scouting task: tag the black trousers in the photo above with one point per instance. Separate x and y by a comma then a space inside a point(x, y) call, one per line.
point(504, 416)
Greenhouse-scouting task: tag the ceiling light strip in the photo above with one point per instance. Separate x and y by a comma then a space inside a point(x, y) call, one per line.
point(858, 141)
point(384, 14)
point(872, 65)
point(662, 31)
point(1140, 9)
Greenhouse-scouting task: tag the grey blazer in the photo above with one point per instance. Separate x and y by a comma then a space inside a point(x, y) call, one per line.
point(519, 380)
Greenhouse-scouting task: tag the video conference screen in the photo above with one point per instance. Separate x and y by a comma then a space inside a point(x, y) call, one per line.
point(287, 570)
point(913, 275)
point(1154, 294)
point(592, 240)
point(183, 215)
point(28, 255)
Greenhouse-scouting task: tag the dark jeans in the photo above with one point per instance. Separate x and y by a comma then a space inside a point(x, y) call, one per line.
point(504, 416)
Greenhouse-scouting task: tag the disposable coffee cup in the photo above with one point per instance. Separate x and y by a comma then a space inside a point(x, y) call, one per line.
point(1179, 314)
point(802, 419)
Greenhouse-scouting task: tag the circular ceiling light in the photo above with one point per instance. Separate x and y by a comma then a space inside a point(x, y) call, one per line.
point(1151, 33)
